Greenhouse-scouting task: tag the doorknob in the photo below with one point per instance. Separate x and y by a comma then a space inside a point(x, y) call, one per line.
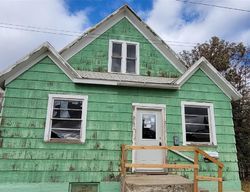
point(159, 143)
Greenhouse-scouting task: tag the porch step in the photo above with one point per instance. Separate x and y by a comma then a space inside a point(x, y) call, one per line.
point(156, 183)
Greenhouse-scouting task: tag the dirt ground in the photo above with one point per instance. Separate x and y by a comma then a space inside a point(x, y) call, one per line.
point(246, 186)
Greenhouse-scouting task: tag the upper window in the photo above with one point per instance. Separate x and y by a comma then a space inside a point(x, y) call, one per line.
point(198, 123)
point(66, 118)
point(123, 57)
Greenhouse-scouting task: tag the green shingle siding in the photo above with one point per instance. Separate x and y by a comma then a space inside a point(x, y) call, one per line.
point(94, 57)
point(26, 158)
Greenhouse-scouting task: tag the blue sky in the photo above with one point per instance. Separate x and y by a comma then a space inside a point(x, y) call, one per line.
point(24, 25)
point(99, 9)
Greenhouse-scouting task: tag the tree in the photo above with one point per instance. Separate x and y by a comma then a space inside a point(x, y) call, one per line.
point(233, 61)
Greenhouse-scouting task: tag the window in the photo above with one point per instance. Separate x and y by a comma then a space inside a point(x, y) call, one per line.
point(83, 187)
point(66, 118)
point(198, 123)
point(123, 57)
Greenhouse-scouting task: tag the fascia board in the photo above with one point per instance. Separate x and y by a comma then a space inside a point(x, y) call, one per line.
point(213, 74)
point(32, 58)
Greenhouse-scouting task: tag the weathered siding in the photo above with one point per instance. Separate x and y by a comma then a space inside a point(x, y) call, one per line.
point(25, 157)
point(94, 57)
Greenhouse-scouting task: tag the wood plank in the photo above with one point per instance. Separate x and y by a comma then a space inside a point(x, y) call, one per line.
point(207, 178)
point(173, 166)
point(177, 148)
point(220, 184)
point(196, 162)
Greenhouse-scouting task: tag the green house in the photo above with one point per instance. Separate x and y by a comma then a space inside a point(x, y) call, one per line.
point(66, 114)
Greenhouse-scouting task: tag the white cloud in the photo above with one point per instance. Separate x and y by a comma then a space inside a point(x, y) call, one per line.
point(168, 19)
point(15, 44)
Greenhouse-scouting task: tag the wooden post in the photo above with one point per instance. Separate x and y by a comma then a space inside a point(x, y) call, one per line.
point(196, 159)
point(220, 185)
point(123, 168)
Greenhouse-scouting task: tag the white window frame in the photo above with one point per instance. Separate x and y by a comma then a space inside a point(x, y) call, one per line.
point(53, 97)
point(124, 56)
point(211, 121)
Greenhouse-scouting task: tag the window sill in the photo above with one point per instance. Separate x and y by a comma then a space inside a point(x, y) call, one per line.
point(201, 145)
point(66, 141)
point(120, 73)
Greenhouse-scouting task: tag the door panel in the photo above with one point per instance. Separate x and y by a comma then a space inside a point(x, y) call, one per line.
point(149, 131)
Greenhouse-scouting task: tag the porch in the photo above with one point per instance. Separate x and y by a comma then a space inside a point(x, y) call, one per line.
point(173, 181)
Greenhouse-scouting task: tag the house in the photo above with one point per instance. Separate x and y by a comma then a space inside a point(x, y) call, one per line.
point(66, 114)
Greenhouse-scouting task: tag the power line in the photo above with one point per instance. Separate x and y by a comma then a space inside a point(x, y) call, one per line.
point(77, 34)
point(213, 5)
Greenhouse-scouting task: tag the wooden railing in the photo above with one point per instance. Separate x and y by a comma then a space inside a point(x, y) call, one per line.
point(195, 165)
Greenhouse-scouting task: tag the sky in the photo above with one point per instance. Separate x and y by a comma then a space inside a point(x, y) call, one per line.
point(26, 24)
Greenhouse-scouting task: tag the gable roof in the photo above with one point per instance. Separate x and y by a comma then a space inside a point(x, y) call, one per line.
point(46, 49)
point(213, 74)
point(124, 12)
point(118, 79)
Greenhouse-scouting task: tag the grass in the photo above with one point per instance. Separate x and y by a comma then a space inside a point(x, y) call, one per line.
point(245, 186)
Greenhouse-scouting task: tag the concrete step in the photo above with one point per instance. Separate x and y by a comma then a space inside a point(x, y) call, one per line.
point(156, 183)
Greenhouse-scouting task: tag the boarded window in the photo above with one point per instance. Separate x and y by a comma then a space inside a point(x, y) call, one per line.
point(66, 117)
point(198, 123)
point(83, 187)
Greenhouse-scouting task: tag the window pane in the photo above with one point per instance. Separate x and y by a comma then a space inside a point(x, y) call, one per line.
point(196, 110)
point(197, 128)
point(131, 51)
point(117, 50)
point(65, 134)
point(116, 65)
point(130, 66)
point(76, 124)
point(148, 126)
point(60, 113)
point(191, 137)
point(196, 119)
point(64, 104)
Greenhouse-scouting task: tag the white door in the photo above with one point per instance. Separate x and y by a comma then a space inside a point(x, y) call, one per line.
point(149, 131)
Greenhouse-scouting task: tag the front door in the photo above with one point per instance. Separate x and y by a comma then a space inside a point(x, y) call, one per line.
point(149, 130)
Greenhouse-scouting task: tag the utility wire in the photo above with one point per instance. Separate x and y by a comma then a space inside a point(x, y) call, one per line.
point(213, 5)
point(68, 33)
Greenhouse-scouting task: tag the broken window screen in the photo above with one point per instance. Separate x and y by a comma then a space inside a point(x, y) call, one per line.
point(116, 57)
point(66, 119)
point(148, 126)
point(197, 124)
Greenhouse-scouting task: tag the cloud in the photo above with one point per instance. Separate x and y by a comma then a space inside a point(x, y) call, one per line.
point(176, 21)
point(15, 44)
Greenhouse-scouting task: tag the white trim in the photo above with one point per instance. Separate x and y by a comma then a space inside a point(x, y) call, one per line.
point(211, 119)
point(51, 99)
point(124, 12)
point(182, 155)
point(213, 74)
point(135, 107)
point(124, 56)
point(32, 58)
